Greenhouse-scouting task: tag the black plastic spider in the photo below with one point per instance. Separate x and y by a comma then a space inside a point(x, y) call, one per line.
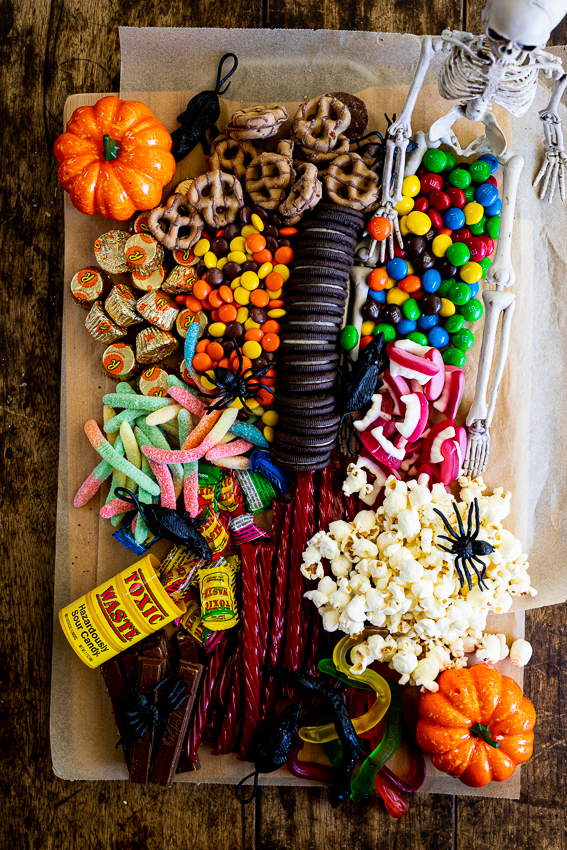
point(139, 714)
point(376, 145)
point(235, 385)
point(466, 548)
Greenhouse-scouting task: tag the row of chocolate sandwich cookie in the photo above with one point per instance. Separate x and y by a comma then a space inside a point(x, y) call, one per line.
point(316, 297)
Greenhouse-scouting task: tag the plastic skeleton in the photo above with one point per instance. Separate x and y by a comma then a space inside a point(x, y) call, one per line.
point(501, 67)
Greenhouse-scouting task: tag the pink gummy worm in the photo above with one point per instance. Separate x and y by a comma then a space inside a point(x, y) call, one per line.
point(227, 734)
point(165, 481)
point(87, 490)
point(250, 649)
point(232, 449)
point(191, 491)
point(165, 456)
point(214, 665)
point(116, 506)
point(281, 528)
point(188, 400)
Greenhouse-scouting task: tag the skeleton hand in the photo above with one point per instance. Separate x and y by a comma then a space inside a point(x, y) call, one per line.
point(388, 211)
point(552, 169)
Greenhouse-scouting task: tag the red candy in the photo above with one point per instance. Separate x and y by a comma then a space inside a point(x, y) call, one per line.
point(436, 219)
point(421, 204)
point(440, 201)
point(463, 234)
point(457, 197)
point(431, 183)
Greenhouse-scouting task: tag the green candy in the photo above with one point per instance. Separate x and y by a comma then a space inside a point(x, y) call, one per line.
point(417, 336)
point(411, 310)
point(454, 323)
point(480, 171)
point(469, 193)
point(460, 178)
point(451, 161)
point(479, 228)
point(349, 337)
point(445, 287)
point(459, 293)
point(485, 264)
point(388, 331)
point(463, 339)
point(458, 254)
point(435, 161)
point(453, 357)
point(493, 226)
point(471, 312)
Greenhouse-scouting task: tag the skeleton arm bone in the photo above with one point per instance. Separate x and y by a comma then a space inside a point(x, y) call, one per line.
point(501, 272)
point(554, 161)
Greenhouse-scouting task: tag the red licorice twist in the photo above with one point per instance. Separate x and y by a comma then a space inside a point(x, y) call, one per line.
point(214, 664)
point(227, 735)
point(250, 648)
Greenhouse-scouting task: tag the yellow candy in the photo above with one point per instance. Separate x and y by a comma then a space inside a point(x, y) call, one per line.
point(391, 282)
point(222, 263)
point(241, 295)
point(404, 229)
point(250, 281)
point(205, 382)
point(210, 260)
point(274, 293)
point(269, 433)
point(257, 221)
point(411, 269)
point(283, 270)
point(238, 244)
point(242, 314)
point(252, 349)
point(471, 272)
point(234, 284)
point(419, 223)
point(249, 324)
point(201, 248)
point(264, 270)
point(473, 212)
point(217, 329)
point(406, 205)
point(248, 230)
point(411, 186)
point(447, 308)
point(397, 296)
point(236, 403)
point(271, 418)
point(237, 257)
point(252, 403)
point(367, 327)
point(278, 313)
point(440, 244)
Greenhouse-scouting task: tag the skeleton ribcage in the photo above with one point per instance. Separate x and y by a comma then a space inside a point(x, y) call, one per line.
point(465, 77)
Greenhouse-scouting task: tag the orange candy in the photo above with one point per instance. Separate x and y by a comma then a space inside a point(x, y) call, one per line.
point(270, 342)
point(226, 293)
point(377, 279)
point(219, 233)
point(284, 255)
point(193, 304)
point(202, 345)
point(256, 242)
point(202, 362)
point(215, 351)
point(215, 299)
point(259, 297)
point(254, 334)
point(246, 362)
point(411, 283)
point(215, 315)
point(265, 398)
point(274, 281)
point(201, 289)
point(263, 256)
point(271, 327)
point(366, 340)
point(275, 304)
point(225, 363)
point(227, 313)
point(288, 231)
point(379, 228)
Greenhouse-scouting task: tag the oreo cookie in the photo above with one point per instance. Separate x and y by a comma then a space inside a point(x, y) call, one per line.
point(311, 382)
point(315, 424)
point(316, 442)
point(313, 239)
point(336, 209)
point(332, 256)
point(358, 114)
point(313, 360)
point(315, 267)
point(319, 404)
point(326, 227)
point(315, 305)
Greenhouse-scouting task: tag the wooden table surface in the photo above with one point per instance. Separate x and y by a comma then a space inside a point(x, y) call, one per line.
point(49, 50)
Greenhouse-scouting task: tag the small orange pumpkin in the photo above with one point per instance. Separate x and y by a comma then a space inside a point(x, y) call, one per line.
point(478, 726)
point(115, 158)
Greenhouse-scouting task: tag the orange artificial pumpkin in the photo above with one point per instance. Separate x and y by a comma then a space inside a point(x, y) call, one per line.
point(115, 158)
point(478, 726)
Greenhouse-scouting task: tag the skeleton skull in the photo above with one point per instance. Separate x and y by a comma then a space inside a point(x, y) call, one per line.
point(516, 25)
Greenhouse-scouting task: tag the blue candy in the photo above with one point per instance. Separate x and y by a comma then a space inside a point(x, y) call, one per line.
point(378, 295)
point(261, 462)
point(438, 337)
point(486, 194)
point(426, 322)
point(431, 280)
point(494, 209)
point(397, 268)
point(454, 218)
point(491, 160)
point(406, 326)
point(474, 287)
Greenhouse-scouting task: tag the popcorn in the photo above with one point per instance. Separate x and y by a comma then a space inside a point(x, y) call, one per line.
point(355, 480)
point(388, 571)
point(520, 652)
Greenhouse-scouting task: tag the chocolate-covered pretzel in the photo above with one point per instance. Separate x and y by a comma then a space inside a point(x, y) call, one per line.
point(218, 196)
point(165, 223)
point(256, 122)
point(319, 122)
point(304, 194)
point(350, 183)
point(232, 156)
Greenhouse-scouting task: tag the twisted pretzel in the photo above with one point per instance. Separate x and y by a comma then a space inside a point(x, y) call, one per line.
point(318, 157)
point(267, 178)
point(319, 122)
point(350, 183)
point(218, 196)
point(232, 156)
point(169, 223)
point(304, 194)
point(256, 122)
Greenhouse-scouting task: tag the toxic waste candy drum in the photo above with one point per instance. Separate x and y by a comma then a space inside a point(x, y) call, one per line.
point(119, 613)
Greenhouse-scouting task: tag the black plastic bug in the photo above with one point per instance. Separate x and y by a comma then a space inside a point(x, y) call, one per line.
point(165, 522)
point(343, 724)
point(465, 547)
point(357, 387)
point(272, 743)
point(235, 385)
point(202, 112)
point(140, 714)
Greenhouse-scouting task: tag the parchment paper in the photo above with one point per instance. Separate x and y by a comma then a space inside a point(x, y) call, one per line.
point(287, 66)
